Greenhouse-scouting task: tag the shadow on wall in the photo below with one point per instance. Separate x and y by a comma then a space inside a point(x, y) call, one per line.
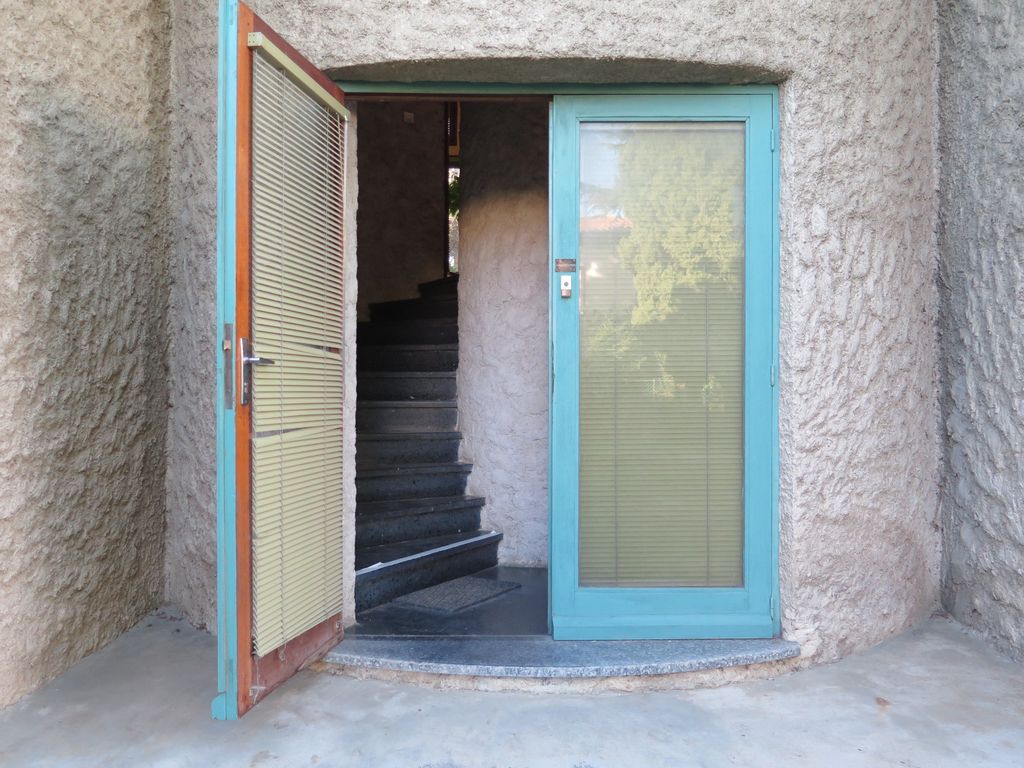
point(558, 70)
point(83, 379)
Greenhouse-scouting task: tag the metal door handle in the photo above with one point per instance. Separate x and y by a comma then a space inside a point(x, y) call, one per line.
point(248, 361)
point(256, 360)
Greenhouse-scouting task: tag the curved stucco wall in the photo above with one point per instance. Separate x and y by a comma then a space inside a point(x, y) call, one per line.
point(503, 321)
point(982, 255)
point(859, 444)
point(83, 312)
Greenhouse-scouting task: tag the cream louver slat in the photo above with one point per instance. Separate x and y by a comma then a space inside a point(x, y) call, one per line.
point(662, 347)
point(298, 322)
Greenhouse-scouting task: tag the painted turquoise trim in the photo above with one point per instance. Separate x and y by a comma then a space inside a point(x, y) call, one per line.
point(351, 87)
point(551, 347)
point(225, 705)
point(750, 611)
point(777, 378)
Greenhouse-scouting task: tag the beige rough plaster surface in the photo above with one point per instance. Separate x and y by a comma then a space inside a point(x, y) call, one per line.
point(859, 445)
point(982, 310)
point(191, 559)
point(503, 321)
point(83, 338)
point(349, 411)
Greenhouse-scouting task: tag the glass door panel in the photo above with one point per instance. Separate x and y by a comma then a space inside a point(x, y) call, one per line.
point(661, 354)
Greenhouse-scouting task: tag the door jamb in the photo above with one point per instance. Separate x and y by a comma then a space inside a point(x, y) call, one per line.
point(365, 90)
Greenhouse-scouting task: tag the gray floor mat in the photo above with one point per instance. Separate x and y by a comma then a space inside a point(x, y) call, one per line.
point(456, 595)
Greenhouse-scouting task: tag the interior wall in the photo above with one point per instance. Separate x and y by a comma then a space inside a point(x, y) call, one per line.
point(859, 445)
point(503, 321)
point(348, 426)
point(982, 318)
point(403, 214)
point(83, 329)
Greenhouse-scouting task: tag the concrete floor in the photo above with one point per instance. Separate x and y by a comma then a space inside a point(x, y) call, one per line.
point(933, 697)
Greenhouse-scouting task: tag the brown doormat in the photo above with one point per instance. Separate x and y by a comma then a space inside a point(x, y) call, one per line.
point(456, 595)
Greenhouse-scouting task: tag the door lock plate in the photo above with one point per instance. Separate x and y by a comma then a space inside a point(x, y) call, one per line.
point(565, 281)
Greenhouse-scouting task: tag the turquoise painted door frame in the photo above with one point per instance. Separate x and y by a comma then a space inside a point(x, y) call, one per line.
point(224, 705)
point(680, 612)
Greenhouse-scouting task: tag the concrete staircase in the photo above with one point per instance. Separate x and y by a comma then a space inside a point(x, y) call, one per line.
point(415, 525)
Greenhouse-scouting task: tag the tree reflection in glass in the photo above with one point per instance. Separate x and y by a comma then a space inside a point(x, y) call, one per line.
point(661, 339)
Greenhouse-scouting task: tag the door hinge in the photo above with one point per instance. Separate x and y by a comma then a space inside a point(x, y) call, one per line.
point(772, 375)
point(771, 607)
point(772, 136)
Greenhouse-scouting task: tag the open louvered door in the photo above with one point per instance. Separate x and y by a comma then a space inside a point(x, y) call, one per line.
point(281, 214)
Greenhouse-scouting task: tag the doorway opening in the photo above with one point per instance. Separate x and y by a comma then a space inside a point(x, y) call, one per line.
point(452, 345)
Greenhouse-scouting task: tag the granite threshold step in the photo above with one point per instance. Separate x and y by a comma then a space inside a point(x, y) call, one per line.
point(533, 656)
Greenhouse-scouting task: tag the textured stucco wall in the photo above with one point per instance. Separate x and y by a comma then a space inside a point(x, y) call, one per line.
point(190, 579)
point(83, 312)
point(982, 328)
point(859, 412)
point(403, 220)
point(503, 321)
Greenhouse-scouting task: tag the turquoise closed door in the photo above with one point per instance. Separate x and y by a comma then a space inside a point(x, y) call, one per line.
point(664, 317)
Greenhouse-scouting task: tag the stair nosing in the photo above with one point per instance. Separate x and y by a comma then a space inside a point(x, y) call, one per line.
point(452, 434)
point(383, 506)
point(446, 279)
point(407, 404)
point(394, 302)
point(439, 320)
point(446, 347)
point(407, 374)
point(448, 467)
point(484, 538)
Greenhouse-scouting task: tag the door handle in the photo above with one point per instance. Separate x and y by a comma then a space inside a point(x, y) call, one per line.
point(248, 361)
point(257, 360)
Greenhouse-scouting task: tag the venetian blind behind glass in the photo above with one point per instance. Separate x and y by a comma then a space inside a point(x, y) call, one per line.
point(297, 315)
point(661, 344)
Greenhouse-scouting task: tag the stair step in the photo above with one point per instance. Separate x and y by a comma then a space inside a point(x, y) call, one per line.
point(392, 449)
point(411, 481)
point(387, 571)
point(394, 520)
point(406, 416)
point(407, 385)
point(412, 308)
point(423, 330)
point(408, 357)
point(446, 286)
